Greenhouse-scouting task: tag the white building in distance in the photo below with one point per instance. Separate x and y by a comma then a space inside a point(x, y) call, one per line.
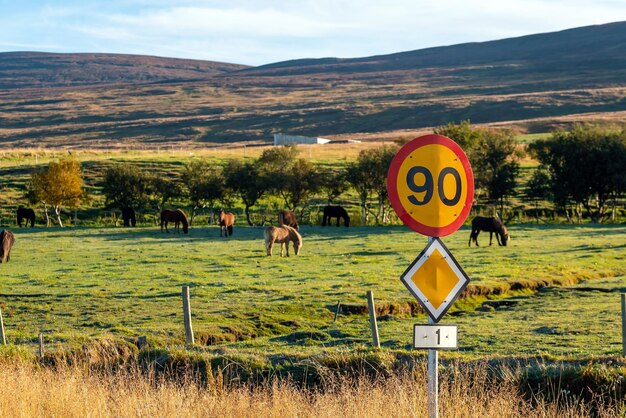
point(283, 139)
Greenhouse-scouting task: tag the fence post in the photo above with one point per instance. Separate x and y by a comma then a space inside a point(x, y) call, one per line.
point(337, 310)
point(623, 324)
point(373, 325)
point(187, 316)
point(41, 349)
point(3, 338)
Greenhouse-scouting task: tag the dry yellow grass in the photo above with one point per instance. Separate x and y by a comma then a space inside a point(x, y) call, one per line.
point(28, 391)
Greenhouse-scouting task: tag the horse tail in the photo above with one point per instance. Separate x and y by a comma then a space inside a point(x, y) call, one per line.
point(266, 233)
point(229, 228)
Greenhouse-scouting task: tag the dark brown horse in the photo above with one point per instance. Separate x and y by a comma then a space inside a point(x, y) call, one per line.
point(177, 216)
point(6, 243)
point(128, 215)
point(25, 214)
point(283, 235)
point(227, 220)
point(490, 225)
point(287, 217)
point(335, 212)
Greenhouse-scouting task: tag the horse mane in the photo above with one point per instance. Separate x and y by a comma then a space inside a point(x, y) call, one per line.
point(183, 219)
point(293, 233)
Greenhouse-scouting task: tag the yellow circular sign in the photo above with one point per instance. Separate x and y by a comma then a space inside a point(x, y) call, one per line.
point(431, 185)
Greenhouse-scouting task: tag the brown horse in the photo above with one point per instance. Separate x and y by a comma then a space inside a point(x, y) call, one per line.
point(490, 225)
point(177, 216)
point(283, 235)
point(287, 217)
point(6, 242)
point(227, 220)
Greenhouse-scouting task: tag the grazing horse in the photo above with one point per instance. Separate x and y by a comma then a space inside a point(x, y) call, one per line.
point(335, 212)
point(177, 216)
point(25, 214)
point(282, 234)
point(287, 217)
point(227, 220)
point(6, 242)
point(128, 215)
point(490, 225)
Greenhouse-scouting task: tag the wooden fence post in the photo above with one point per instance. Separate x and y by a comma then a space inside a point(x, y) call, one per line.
point(3, 338)
point(373, 325)
point(337, 310)
point(187, 316)
point(623, 324)
point(41, 349)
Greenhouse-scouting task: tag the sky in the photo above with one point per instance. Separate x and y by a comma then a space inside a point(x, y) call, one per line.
point(265, 31)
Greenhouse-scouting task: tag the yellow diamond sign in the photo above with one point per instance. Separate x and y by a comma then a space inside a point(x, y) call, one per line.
point(435, 279)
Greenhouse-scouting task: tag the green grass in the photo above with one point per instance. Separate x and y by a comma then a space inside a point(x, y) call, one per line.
point(89, 282)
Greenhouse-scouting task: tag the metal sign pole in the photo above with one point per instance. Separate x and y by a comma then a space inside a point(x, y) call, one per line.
point(433, 381)
point(433, 376)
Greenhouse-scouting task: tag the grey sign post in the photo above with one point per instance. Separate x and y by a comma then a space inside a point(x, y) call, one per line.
point(435, 278)
point(436, 300)
point(433, 381)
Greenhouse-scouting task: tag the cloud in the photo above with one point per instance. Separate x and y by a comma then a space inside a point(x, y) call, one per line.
point(257, 32)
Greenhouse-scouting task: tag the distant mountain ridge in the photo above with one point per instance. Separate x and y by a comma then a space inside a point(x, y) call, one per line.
point(104, 100)
point(43, 69)
point(584, 44)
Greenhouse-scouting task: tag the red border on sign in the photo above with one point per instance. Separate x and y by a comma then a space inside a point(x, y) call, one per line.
point(392, 189)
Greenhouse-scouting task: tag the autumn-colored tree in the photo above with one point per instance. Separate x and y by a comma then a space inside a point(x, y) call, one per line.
point(60, 184)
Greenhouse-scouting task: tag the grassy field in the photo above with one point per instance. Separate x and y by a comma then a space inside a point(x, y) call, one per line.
point(88, 282)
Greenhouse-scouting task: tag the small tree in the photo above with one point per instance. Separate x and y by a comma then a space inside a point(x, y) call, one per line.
point(333, 183)
point(276, 165)
point(368, 176)
point(463, 134)
point(300, 184)
point(125, 186)
point(538, 188)
point(245, 180)
point(204, 185)
point(495, 162)
point(161, 190)
point(61, 184)
point(357, 174)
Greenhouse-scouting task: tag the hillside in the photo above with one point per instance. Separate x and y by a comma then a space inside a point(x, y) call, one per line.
point(600, 47)
point(95, 100)
point(40, 69)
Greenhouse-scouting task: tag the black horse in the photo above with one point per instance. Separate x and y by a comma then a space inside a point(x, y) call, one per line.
point(25, 214)
point(128, 215)
point(490, 225)
point(335, 212)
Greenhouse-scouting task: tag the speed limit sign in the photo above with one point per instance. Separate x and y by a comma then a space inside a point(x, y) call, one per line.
point(431, 185)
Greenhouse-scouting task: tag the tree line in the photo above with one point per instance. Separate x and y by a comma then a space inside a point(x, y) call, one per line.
point(581, 171)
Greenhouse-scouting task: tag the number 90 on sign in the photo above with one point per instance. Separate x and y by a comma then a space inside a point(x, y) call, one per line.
point(431, 185)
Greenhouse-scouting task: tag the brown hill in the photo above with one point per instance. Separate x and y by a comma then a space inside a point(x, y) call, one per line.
point(568, 75)
point(40, 69)
point(591, 47)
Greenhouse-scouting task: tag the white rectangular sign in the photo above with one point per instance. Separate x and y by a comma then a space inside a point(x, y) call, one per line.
point(434, 336)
